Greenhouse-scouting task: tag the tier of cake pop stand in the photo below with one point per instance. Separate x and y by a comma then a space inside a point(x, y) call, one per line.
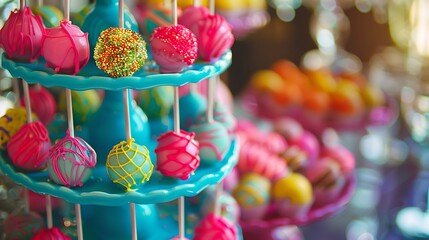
point(99, 191)
point(260, 106)
point(264, 228)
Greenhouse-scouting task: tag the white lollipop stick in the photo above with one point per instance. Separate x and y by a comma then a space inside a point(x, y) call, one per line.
point(15, 85)
point(21, 4)
point(210, 109)
point(78, 221)
point(176, 110)
point(49, 211)
point(27, 101)
point(127, 126)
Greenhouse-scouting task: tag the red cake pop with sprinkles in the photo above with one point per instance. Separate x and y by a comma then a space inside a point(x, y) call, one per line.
point(173, 48)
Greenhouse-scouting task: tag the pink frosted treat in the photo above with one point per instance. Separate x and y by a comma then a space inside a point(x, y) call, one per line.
point(255, 158)
point(326, 178)
point(70, 161)
point(71, 48)
point(29, 147)
point(42, 104)
point(177, 154)
point(21, 35)
point(342, 156)
point(214, 37)
point(50, 234)
point(192, 15)
point(173, 48)
point(295, 158)
point(214, 227)
point(308, 143)
point(288, 127)
point(274, 142)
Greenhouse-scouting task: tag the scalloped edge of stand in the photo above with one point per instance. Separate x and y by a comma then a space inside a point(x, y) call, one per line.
point(37, 72)
point(170, 190)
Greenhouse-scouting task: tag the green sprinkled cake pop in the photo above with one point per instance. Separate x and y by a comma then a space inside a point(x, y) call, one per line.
point(120, 52)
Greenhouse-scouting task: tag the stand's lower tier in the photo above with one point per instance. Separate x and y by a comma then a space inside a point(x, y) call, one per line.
point(100, 190)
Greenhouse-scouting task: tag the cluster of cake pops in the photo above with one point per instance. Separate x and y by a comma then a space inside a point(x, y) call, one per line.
point(119, 52)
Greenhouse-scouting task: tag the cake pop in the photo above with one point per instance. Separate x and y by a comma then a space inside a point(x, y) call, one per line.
point(224, 116)
point(214, 141)
point(120, 52)
point(128, 164)
point(255, 158)
point(214, 227)
point(10, 123)
point(177, 154)
point(156, 102)
point(71, 48)
point(308, 143)
point(50, 234)
point(292, 195)
point(50, 15)
point(340, 155)
point(42, 104)
point(29, 147)
point(21, 35)
point(214, 37)
point(229, 206)
point(253, 195)
point(191, 15)
point(70, 161)
point(23, 225)
point(85, 105)
point(173, 48)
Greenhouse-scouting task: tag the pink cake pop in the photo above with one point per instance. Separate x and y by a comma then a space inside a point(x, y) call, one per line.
point(23, 226)
point(177, 154)
point(21, 35)
point(340, 155)
point(42, 104)
point(29, 147)
point(173, 48)
point(50, 234)
point(308, 143)
point(255, 158)
point(71, 48)
point(214, 37)
point(288, 127)
point(214, 227)
point(192, 15)
point(70, 161)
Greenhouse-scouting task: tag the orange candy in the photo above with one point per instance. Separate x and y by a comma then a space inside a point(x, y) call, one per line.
point(290, 93)
point(316, 100)
point(290, 72)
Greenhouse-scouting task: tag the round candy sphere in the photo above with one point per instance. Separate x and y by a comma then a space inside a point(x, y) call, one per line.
point(128, 164)
point(156, 102)
point(50, 234)
point(214, 227)
point(51, 15)
point(214, 37)
point(70, 161)
point(173, 48)
point(13, 120)
point(71, 48)
point(120, 52)
point(253, 190)
point(21, 35)
point(85, 105)
point(192, 106)
point(224, 116)
point(214, 141)
point(23, 226)
point(29, 147)
point(177, 154)
point(42, 104)
point(192, 15)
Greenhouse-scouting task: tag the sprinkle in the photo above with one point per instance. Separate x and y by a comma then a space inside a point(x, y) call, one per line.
point(181, 39)
point(120, 52)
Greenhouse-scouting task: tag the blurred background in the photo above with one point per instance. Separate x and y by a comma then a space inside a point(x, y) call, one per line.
point(387, 41)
